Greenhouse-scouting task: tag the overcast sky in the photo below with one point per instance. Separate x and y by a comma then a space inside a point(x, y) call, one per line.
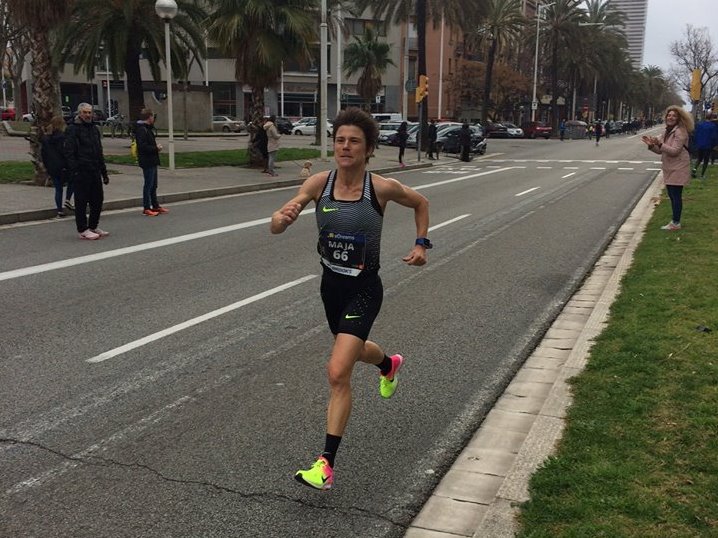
point(666, 23)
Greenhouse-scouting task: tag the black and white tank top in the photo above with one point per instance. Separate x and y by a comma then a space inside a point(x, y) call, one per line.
point(349, 231)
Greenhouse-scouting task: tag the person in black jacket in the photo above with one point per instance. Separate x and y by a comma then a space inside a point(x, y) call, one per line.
point(465, 142)
point(148, 157)
point(402, 136)
point(432, 140)
point(53, 157)
point(86, 165)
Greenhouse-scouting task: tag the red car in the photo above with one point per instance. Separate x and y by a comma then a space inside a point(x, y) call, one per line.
point(533, 129)
point(7, 114)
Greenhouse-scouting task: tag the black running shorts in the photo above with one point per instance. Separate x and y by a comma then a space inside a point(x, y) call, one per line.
point(351, 303)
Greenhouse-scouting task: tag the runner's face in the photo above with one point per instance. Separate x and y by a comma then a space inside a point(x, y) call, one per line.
point(350, 149)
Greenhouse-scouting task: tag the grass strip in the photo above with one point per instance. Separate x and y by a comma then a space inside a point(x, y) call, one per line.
point(639, 456)
point(227, 157)
point(18, 171)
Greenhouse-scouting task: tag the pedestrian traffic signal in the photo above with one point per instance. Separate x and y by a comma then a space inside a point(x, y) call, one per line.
point(422, 90)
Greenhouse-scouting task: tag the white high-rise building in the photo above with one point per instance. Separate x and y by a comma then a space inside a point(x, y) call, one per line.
point(635, 12)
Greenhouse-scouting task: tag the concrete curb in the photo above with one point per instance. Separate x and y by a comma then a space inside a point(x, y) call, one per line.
point(44, 214)
point(481, 494)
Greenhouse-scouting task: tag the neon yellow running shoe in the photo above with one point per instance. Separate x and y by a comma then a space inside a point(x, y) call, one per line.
point(320, 476)
point(388, 383)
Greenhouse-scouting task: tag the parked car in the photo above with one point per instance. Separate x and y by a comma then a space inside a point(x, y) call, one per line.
point(227, 124)
point(495, 130)
point(7, 114)
point(284, 125)
point(66, 112)
point(28, 117)
point(382, 117)
point(532, 129)
point(513, 130)
point(386, 130)
point(309, 128)
point(447, 141)
point(411, 141)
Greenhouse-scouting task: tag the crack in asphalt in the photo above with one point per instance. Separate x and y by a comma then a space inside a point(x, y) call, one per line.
point(106, 462)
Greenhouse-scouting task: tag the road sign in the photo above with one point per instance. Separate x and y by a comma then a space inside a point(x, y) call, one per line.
point(410, 85)
point(534, 105)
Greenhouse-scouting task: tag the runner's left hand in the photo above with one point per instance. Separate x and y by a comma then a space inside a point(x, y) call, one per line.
point(417, 256)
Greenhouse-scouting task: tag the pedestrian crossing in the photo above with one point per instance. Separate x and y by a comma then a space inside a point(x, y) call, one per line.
point(544, 164)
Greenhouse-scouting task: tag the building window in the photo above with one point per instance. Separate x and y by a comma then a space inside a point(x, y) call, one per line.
point(358, 26)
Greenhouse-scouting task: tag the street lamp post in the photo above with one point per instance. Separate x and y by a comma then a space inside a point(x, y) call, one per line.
point(534, 102)
point(323, 60)
point(167, 10)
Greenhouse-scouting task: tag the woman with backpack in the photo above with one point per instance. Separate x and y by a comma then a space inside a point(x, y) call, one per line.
point(53, 159)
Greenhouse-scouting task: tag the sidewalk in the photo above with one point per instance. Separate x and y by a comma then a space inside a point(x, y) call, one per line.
point(20, 202)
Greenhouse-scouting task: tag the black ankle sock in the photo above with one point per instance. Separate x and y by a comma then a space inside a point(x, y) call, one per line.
point(331, 447)
point(385, 365)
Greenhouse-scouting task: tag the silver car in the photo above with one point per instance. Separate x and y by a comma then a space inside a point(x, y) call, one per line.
point(227, 124)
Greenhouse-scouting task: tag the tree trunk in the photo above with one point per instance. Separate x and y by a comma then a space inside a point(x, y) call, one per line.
point(554, 86)
point(45, 98)
point(135, 90)
point(255, 157)
point(487, 80)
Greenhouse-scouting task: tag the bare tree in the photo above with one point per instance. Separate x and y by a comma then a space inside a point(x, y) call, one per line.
point(696, 51)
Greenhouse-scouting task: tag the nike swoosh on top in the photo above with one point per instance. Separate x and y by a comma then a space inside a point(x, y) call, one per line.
point(326, 209)
point(351, 316)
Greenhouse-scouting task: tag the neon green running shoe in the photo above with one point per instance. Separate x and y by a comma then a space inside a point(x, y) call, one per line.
point(320, 476)
point(388, 383)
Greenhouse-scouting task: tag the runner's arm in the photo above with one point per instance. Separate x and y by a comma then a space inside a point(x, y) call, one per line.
point(289, 212)
point(408, 197)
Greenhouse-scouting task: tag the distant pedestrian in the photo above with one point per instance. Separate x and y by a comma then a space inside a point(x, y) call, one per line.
point(402, 136)
point(273, 137)
point(260, 142)
point(86, 163)
point(598, 131)
point(148, 157)
point(562, 129)
point(432, 135)
point(675, 158)
point(465, 142)
point(705, 139)
point(53, 158)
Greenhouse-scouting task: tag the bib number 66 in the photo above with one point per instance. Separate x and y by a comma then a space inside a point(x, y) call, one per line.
point(342, 255)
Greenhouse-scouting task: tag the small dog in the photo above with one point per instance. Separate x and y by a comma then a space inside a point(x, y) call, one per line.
point(306, 171)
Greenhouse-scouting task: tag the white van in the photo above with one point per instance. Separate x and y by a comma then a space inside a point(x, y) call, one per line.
point(383, 117)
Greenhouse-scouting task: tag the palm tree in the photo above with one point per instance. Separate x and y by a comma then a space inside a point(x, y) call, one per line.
point(128, 29)
point(41, 18)
point(370, 56)
point(259, 35)
point(654, 83)
point(560, 31)
point(501, 24)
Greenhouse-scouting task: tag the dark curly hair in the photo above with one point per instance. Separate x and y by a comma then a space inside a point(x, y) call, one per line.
point(363, 120)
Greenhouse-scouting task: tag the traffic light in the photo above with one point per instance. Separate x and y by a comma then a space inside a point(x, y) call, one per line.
point(422, 90)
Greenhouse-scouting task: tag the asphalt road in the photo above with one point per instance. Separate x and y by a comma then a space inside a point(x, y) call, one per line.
point(124, 412)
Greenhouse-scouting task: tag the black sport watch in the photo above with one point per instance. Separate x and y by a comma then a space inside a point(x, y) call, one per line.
point(424, 242)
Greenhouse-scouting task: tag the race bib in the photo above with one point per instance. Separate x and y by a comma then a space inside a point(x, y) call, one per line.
point(343, 253)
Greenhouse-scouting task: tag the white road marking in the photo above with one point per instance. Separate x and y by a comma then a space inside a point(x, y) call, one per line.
point(653, 169)
point(598, 168)
point(568, 175)
point(544, 167)
point(462, 178)
point(527, 191)
point(62, 264)
point(451, 221)
point(570, 167)
point(625, 169)
point(195, 321)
